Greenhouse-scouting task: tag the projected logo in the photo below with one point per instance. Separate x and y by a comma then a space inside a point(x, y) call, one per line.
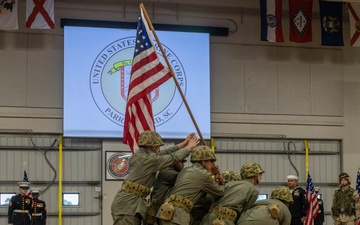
point(110, 77)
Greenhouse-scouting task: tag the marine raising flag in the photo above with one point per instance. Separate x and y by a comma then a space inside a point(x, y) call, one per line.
point(8, 15)
point(331, 23)
point(354, 12)
point(300, 15)
point(147, 74)
point(311, 196)
point(40, 14)
point(271, 22)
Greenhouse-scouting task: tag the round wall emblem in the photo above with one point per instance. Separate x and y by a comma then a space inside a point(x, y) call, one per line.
point(118, 165)
point(110, 76)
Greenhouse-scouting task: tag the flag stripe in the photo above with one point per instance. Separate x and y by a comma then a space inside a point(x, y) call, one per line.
point(147, 74)
point(311, 196)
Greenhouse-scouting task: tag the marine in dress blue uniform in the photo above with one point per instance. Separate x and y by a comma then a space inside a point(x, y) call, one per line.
point(20, 206)
point(38, 215)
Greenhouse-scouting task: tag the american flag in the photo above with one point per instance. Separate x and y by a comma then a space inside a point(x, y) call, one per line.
point(147, 74)
point(25, 179)
point(311, 196)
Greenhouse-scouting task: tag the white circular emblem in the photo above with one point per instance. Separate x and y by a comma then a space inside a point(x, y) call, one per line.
point(110, 76)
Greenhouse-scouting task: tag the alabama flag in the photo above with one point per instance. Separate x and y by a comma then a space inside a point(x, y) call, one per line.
point(354, 12)
point(40, 14)
point(8, 15)
point(300, 15)
point(271, 23)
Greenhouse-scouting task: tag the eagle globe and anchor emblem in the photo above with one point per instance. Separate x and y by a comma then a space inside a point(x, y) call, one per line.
point(110, 78)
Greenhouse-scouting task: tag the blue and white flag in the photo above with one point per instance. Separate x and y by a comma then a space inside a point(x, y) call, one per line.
point(331, 23)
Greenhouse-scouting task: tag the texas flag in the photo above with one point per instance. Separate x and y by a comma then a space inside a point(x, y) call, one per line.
point(354, 12)
point(271, 22)
point(300, 15)
point(40, 14)
point(9, 15)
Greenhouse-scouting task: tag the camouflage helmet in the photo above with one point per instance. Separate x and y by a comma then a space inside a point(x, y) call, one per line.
point(150, 138)
point(230, 175)
point(282, 193)
point(250, 169)
point(346, 176)
point(201, 153)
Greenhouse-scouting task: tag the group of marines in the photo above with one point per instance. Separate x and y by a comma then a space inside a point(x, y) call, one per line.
point(199, 194)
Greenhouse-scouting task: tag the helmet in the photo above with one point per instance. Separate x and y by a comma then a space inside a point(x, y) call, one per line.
point(202, 152)
point(282, 193)
point(346, 176)
point(250, 169)
point(150, 138)
point(230, 175)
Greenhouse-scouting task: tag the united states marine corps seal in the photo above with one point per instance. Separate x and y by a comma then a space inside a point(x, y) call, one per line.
point(118, 165)
point(110, 77)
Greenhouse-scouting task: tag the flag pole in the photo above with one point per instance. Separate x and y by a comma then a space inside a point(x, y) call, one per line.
point(306, 157)
point(172, 73)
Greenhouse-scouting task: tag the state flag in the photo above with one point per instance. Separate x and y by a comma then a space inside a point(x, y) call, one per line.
point(271, 20)
point(40, 14)
point(300, 15)
point(8, 15)
point(331, 23)
point(354, 12)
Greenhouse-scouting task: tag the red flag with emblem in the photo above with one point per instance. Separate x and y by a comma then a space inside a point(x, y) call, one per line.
point(40, 14)
point(300, 15)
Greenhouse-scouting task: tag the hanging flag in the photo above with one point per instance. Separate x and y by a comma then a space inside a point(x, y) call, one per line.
point(8, 15)
point(358, 182)
point(147, 74)
point(354, 12)
point(311, 196)
point(40, 14)
point(271, 22)
point(300, 15)
point(331, 23)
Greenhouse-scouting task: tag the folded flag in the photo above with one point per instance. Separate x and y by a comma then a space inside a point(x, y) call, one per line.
point(8, 15)
point(331, 23)
point(40, 14)
point(354, 12)
point(300, 15)
point(271, 21)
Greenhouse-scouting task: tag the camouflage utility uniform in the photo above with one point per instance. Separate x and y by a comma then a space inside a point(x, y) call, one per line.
point(192, 183)
point(130, 208)
point(346, 204)
point(238, 197)
point(271, 211)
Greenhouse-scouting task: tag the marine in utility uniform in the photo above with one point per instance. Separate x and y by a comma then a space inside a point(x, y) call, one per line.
point(38, 214)
point(192, 183)
point(130, 204)
point(320, 218)
point(346, 206)
point(20, 206)
point(164, 182)
point(273, 211)
point(300, 205)
point(238, 196)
